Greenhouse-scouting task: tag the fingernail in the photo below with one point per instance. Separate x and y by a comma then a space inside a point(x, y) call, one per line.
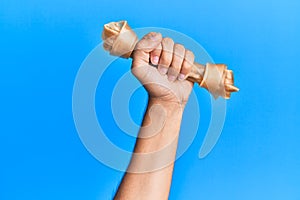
point(172, 78)
point(163, 70)
point(181, 77)
point(155, 60)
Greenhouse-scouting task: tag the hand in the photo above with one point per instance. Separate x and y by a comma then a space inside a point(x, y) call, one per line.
point(168, 81)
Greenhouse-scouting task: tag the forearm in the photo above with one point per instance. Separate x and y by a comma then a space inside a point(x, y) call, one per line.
point(150, 171)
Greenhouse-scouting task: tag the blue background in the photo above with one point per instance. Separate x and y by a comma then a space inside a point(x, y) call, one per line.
point(43, 43)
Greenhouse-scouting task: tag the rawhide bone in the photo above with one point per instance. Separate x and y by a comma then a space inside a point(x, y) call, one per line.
point(120, 40)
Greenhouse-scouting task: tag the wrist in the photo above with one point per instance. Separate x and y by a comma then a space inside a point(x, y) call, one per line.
point(171, 107)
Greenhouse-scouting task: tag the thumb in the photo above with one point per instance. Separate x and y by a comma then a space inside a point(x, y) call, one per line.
point(147, 44)
point(141, 54)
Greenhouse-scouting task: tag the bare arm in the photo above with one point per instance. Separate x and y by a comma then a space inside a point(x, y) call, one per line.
point(154, 166)
point(150, 171)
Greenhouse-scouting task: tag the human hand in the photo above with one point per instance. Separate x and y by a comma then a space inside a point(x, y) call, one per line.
point(167, 82)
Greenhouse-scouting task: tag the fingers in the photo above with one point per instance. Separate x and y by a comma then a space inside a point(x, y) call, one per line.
point(187, 65)
point(172, 59)
point(178, 56)
point(166, 55)
point(147, 44)
point(155, 54)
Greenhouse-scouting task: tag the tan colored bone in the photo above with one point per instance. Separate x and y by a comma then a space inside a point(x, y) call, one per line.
point(120, 40)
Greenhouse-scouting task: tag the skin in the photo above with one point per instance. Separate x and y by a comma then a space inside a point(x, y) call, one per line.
point(149, 173)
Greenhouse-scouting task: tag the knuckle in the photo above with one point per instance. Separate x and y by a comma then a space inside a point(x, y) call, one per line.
point(149, 35)
point(157, 50)
point(179, 51)
point(187, 66)
point(167, 41)
point(189, 56)
point(179, 47)
point(176, 69)
point(165, 59)
point(176, 64)
point(173, 71)
point(141, 45)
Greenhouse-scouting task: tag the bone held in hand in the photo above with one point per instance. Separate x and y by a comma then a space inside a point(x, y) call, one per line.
point(120, 40)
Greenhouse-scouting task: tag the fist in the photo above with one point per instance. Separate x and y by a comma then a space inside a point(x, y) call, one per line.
point(162, 66)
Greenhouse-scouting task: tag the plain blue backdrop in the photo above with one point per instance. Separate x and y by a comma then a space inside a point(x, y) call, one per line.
point(43, 43)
